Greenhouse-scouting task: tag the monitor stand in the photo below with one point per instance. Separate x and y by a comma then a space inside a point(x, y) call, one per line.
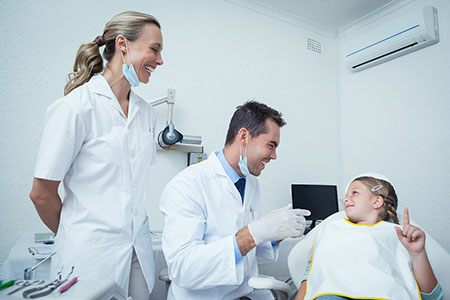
point(308, 229)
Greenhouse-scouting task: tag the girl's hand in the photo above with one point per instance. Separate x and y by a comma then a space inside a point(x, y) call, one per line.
point(411, 237)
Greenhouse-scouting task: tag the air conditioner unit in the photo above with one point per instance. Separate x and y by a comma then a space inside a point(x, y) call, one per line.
point(404, 34)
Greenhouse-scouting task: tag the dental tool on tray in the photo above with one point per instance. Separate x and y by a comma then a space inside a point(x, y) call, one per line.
point(48, 288)
point(21, 284)
point(68, 285)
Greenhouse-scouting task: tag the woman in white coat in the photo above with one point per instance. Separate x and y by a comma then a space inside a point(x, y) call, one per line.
point(99, 141)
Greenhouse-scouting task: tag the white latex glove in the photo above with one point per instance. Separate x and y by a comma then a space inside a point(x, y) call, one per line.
point(279, 224)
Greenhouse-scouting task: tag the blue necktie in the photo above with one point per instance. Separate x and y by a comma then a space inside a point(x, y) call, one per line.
point(240, 185)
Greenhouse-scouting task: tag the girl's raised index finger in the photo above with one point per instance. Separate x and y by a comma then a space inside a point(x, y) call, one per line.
point(405, 217)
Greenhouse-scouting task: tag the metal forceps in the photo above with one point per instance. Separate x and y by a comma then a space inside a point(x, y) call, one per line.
point(47, 289)
point(23, 284)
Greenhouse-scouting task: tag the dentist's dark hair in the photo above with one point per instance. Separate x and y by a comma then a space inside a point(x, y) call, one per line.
point(252, 115)
point(89, 61)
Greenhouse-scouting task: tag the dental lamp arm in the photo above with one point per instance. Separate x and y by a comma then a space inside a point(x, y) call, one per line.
point(169, 99)
point(169, 135)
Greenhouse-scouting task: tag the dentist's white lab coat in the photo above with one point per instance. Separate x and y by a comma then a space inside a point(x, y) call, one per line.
point(202, 212)
point(103, 159)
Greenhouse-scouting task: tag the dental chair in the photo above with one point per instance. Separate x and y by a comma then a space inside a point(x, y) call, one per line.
point(300, 254)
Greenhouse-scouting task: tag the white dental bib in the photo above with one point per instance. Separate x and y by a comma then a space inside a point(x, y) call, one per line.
point(360, 261)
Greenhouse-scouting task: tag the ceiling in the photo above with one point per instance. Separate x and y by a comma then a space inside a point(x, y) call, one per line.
point(331, 14)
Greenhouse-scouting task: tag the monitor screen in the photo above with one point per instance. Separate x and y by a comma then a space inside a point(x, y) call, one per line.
point(321, 200)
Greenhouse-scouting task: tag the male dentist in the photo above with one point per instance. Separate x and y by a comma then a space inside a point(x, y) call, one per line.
point(212, 230)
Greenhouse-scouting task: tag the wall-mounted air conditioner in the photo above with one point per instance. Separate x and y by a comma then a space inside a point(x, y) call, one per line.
point(409, 32)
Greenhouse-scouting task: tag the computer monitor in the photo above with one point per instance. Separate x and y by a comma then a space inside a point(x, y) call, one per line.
point(320, 200)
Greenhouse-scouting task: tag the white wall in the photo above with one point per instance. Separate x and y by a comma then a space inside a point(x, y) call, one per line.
point(395, 120)
point(217, 55)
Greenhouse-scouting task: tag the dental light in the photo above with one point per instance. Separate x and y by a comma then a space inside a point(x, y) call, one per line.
point(169, 135)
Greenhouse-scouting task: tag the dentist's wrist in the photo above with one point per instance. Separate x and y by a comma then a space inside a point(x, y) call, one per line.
point(245, 240)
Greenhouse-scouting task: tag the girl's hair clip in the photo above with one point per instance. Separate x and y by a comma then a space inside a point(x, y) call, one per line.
point(376, 188)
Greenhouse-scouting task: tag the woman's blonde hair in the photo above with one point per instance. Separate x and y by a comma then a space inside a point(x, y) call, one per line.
point(379, 187)
point(89, 61)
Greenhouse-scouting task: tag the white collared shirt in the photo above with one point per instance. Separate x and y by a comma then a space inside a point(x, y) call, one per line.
point(103, 159)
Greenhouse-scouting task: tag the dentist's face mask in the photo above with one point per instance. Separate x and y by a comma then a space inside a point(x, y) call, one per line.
point(128, 71)
point(243, 160)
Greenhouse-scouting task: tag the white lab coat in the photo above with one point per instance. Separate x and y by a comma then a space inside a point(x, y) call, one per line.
point(202, 211)
point(103, 159)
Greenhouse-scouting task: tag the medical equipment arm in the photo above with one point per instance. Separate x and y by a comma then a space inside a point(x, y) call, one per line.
point(47, 202)
point(279, 224)
point(169, 135)
point(280, 289)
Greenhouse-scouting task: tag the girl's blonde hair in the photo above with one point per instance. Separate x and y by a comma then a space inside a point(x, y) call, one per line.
point(379, 187)
point(89, 61)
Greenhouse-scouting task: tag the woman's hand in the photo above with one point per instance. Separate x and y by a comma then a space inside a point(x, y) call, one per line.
point(411, 237)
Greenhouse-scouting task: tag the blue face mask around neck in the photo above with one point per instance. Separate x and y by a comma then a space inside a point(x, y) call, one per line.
point(130, 75)
point(243, 166)
point(129, 72)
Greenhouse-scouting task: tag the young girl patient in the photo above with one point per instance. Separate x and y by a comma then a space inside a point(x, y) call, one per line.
point(366, 256)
